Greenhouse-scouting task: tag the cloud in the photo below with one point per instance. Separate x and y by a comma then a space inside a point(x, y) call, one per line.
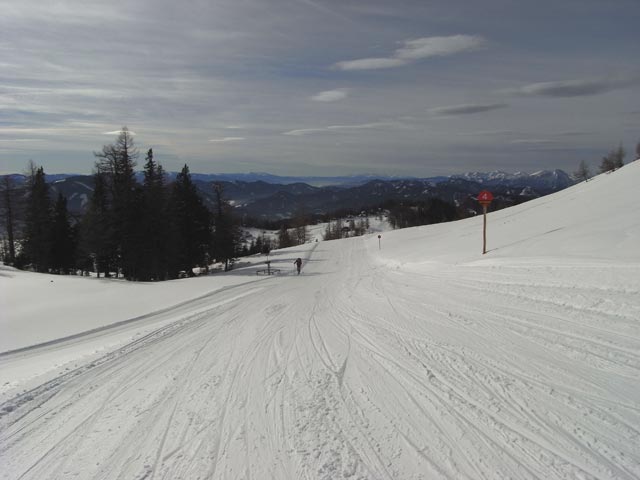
point(467, 108)
point(531, 141)
point(416, 49)
point(334, 128)
point(438, 46)
point(304, 131)
point(118, 132)
point(572, 134)
point(226, 139)
point(331, 95)
point(21, 140)
point(486, 133)
point(576, 88)
point(370, 64)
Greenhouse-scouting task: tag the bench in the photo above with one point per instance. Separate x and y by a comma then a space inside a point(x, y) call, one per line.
point(268, 270)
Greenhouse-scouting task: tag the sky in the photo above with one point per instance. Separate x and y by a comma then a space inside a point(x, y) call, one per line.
point(320, 87)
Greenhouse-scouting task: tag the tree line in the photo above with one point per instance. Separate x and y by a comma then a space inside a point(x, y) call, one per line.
point(152, 230)
point(609, 163)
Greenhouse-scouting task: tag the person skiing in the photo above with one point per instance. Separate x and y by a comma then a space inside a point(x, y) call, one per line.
point(298, 264)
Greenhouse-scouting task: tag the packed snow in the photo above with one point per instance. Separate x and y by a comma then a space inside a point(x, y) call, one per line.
point(410, 356)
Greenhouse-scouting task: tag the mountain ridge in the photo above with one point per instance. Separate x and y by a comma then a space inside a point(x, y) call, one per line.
point(264, 199)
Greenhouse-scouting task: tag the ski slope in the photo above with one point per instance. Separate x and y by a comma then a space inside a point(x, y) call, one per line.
point(420, 360)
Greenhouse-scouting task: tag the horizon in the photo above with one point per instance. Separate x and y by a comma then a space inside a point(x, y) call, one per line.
point(321, 88)
point(353, 175)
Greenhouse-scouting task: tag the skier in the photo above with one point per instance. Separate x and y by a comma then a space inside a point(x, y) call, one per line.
point(298, 264)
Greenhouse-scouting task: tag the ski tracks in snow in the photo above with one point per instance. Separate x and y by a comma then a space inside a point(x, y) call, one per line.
point(355, 370)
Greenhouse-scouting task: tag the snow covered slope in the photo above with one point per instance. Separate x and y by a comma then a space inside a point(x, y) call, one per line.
point(423, 359)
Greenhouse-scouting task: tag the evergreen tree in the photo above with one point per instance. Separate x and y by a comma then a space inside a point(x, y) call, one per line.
point(63, 241)
point(37, 246)
point(336, 231)
point(225, 233)
point(333, 230)
point(267, 244)
point(154, 261)
point(284, 237)
point(327, 232)
point(421, 213)
point(9, 204)
point(98, 244)
point(190, 226)
point(117, 163)
point(300, 222)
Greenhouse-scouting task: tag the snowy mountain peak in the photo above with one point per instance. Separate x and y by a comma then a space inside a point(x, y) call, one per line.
point(543, 179)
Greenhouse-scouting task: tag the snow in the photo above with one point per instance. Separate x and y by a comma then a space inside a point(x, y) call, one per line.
point(422, 359)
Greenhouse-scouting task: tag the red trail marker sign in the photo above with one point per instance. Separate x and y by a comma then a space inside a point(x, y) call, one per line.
point(484, 198)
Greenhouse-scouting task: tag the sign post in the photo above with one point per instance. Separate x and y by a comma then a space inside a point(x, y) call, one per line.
point(484, 198)
point(379, 246)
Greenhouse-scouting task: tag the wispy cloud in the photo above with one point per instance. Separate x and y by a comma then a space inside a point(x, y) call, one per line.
point(118, 132)
point(576, 88)
point(370, 64)
point(467, 108)
point(572, 134)
point(531, 141)
point(21, 140)
point(331, 95)
point(226, 139)
point(335, 128)
point(416, 49)
point(304, 131)
point(486, 133)
point(438, 46)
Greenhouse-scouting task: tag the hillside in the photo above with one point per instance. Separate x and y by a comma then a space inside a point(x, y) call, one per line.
point(407, 356)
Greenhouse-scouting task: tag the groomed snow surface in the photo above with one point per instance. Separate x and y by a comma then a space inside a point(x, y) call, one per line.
point(421, 360)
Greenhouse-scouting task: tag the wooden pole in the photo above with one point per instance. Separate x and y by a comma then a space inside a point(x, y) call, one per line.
point(484, 229)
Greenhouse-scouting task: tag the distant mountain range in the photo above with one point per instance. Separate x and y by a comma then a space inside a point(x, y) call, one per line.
point(544, 179)
point(268, 196)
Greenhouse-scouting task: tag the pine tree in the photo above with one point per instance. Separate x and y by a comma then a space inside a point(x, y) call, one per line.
point(225, 233)
point(37, 246)
point(190, 226)
point(336, 231)
point(300, 222)
point(9, 204)
point(117, 163)
point(284, 237)
point(327, 232)
point(154, 261)
point(267, 245)
point(98, 245)
point(63, 241)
